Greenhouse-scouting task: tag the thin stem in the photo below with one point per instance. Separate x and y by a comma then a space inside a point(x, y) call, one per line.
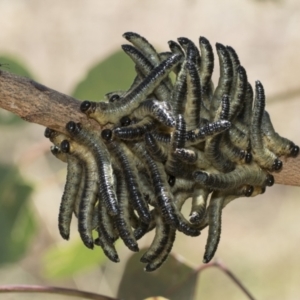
point(52, 290)
point(223, 268)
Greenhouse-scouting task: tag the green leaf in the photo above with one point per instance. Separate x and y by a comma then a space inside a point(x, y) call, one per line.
point(14, 66)
point(65, 261)
point(113, 74)
point(173, 280)
point(17, 223)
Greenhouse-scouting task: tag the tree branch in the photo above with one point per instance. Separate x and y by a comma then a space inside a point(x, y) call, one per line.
point(39, 104)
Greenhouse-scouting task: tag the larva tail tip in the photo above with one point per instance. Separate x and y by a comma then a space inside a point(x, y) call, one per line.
point(203, 40)
point(150, 268)
point(64, 235)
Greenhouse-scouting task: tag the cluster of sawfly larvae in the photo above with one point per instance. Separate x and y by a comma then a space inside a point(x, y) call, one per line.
point(162, 142)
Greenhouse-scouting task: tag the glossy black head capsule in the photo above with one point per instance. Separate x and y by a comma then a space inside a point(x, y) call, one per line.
point(270, 180)
point(85, 106)
point(277, 165)
point(106, 134)
point(294, 150)
point(172, 180)
point(65, 146)
point(248, 190)
point(48, 132)
point(73, 127)
point(125, 121)
point(114, 98)
point(54, 150)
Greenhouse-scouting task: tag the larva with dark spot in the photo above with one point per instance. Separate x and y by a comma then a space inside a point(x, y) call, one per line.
point(199, 201)
point(135, 131)
point(193, 103)
point(176, 49)
point(144, 46)
point(191, 51)
point(161, 258)
point(114, 96)
point(106, 223)
point(263, 156)
point(238, 93)
point(250, 174)
point(104, 167)
point(194, 137)
point(108, 249)
point(122, 220)
point(187, 156)
point(214, 229)
point(112, 112)
point(225, 79)
point(68, 200)
point(159, 181)
point(162, 231)
point(89, 195)
point(206, 68)
point(178, 97)
point(157, 152)
point(277, 144)
point(58, 154)
point(145, 67)
point(122, 154)
point(160, 111)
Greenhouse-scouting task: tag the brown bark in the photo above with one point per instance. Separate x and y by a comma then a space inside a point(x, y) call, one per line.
point(39, 104)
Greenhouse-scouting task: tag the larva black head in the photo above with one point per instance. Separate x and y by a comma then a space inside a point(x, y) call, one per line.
point(277, 165)
point(203, 40)
point(294, 150)
point(106, 134)
point(125, 121)
point(65, 146)
point(248, 158)
point(270, 180)
point(48, 132)
point(85, 106)
point(114, 98)
point(248, 190)
point(73, 127)
point(172, 180)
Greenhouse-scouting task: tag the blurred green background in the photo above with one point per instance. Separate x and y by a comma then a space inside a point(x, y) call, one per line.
point(76, 50)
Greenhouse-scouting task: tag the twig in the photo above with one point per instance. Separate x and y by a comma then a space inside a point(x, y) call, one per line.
point(223, 268)
point(39, 104)
point(52, 290)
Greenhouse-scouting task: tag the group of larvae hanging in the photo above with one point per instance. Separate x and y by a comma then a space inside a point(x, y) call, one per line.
point(165, 140)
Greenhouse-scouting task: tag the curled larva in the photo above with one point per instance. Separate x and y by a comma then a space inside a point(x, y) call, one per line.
point(162, 231)
point(104, 167)
point(225, 79)
point(262, 155)
point(154, 148)
point(89, 195)
point(161, 258)
point(163, 196)
point(191, 51)
point(123, 157)
point(68, 200)
point(122, 220)
point(194, 101)
point(160, 111)
point(112, 112)
point(162, 92)
point(276, 143)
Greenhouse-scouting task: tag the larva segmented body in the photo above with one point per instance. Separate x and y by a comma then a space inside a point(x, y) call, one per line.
point(166, 141)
